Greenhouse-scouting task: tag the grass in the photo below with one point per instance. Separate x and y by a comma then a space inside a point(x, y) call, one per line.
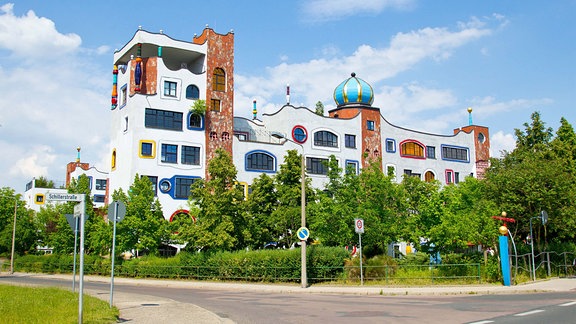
point(19, 304)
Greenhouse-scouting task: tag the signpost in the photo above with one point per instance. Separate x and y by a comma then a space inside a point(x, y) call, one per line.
point(80, 198)
point(116, 213)
point(359, 227)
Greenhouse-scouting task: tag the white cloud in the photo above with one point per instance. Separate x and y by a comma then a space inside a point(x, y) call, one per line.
point(31, 36)
point(500, 142)
point(50, 109)
point(316, 79)
point(325, 10)
point(489, 106)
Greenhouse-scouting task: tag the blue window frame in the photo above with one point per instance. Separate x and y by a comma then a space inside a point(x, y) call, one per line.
point(182, 187)
point(351, 167)
point(455, 153)
point(390, 145)
point(260, 161)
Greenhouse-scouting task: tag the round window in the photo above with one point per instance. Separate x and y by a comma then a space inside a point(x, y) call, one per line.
point(299, 134)
point(165, 186)
point(481, 137)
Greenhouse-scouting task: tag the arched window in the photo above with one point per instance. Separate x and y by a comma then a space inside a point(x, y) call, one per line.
point(225, 136)
point(213, 136)
point(192, 92)
point(429, 176)
point(194, 120)
point(412, 149)
point(219, 80)
point(325, 138)
point(259, 161)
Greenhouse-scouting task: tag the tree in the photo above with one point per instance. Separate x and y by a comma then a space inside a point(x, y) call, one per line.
point(26, 235)
point(43, 182)
point(259, 206)
point(537, 176)
point(320, 108)
point(332, 213)
point(220, 225)
point(288, 184)
point(144, 228)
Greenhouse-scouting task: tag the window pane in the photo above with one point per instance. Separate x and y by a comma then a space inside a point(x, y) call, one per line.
point(325, 138)
point(182, 189)
point(190, 155)
point(163, 119)
point(169, 153)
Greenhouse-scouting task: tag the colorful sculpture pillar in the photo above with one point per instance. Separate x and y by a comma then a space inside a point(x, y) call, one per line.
point(138, 69)
point(114, 87)
point(254, 111)
point(504, 257)
point(503, 246)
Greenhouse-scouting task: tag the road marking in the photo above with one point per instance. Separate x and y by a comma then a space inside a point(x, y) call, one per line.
point(536, 311)
point(569, 304)
point(482, 322)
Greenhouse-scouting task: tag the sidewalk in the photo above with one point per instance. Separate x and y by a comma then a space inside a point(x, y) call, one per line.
point(151, 309)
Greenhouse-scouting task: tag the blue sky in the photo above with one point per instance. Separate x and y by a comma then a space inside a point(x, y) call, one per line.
point(426, 60)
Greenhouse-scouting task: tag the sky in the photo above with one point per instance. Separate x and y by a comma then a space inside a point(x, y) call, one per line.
point(427, 61)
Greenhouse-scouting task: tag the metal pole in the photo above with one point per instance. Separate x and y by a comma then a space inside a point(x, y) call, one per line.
point(361, 272)
point(113, 253)
point(13, 237)
point(532, 252)
point(81, 270)
point(304, 278)
point(75, 253)
point(515, 255)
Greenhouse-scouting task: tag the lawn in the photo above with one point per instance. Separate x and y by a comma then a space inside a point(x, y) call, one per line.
point(19, 304)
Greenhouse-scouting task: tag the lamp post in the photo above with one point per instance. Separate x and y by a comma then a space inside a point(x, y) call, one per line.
point(13, 237)
point(303, 277)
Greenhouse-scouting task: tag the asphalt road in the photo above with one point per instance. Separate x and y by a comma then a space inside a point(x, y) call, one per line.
point(269, 307)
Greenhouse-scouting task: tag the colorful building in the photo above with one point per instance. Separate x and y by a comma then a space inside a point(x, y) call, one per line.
point(156, 133)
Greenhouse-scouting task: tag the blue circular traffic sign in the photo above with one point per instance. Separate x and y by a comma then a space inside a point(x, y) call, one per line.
point(303, 233)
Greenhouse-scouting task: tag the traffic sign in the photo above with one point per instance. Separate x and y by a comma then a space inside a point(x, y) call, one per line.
point(359, 225)
point(303, 233)
point(116, 211)
point(64, 197)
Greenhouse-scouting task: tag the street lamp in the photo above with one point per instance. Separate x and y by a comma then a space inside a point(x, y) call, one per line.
point(303, 278)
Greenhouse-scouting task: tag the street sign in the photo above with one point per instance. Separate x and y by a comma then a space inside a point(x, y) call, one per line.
point(359, 225)
point(544, 217)
point(64, 197)
point(116, 211)
point(77, 210)
point(71, 218)
point(303, 233)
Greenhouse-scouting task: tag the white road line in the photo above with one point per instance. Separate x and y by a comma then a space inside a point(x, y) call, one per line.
point(569, 304)
point(482, 322)
point(536, 311)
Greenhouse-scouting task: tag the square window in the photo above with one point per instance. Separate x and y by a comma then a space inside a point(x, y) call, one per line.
point(169, 153)
point(147, 149)
point(123, 95)
point(370, 125)
point(431, 152)
point(190, 155)
point(215, 105)
point(351, 167)
point(170, 88)
point(101, 184)
point(390, 145)
point(350, 140)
